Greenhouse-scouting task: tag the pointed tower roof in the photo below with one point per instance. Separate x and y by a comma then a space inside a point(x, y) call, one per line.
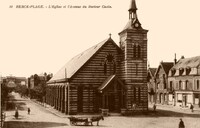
point(132, 6)
point(133, 23)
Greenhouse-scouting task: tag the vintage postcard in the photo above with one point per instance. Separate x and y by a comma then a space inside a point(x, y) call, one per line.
point(99, 63)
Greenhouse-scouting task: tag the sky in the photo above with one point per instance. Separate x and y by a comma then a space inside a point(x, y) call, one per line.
point(37, 40)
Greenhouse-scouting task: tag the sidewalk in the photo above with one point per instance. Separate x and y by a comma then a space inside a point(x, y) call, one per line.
point(175, 108)
point(50, 109)
point(58, 113)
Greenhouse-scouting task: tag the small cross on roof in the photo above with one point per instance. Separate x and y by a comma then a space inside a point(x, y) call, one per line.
point(110, 35)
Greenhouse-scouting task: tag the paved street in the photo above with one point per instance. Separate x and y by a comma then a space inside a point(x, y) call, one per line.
point(38, 118)
point(42, 117)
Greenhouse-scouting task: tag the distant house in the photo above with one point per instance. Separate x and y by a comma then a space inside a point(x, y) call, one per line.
point(184, 80)
point(13, 81)
point(161, 79)
point(151, 83)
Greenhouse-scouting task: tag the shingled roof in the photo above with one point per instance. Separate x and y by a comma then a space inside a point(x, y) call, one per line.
point(192, 62)
point(70, 68)
point(129, 25)
point(167, 66)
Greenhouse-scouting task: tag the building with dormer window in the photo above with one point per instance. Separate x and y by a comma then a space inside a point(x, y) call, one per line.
point(184, 79)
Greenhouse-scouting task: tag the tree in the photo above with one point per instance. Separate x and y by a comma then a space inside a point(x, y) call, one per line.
point(22, 90)
point(39, 90)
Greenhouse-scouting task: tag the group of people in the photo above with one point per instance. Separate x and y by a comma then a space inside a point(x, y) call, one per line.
point(17, 112)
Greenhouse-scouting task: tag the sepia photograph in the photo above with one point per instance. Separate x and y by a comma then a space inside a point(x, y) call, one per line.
point(100, 63)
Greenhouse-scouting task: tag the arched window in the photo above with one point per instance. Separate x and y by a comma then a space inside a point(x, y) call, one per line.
point(136, 51)
point(109, 64)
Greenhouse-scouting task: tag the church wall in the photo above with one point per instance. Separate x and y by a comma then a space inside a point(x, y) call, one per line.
point(91, 76)
point(135, 73)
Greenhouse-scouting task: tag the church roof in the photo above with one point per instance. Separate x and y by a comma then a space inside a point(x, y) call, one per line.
point(70, 68)
point(192, 62)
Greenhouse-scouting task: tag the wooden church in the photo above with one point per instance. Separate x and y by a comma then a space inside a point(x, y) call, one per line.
point(105, 77)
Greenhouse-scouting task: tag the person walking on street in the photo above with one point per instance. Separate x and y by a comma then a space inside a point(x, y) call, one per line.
point(192, 108)
point(29, 110)
point(16, 113)
point(181, 124)
point(154, 107)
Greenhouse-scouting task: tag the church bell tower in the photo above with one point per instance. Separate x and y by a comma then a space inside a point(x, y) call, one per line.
point(133, 42)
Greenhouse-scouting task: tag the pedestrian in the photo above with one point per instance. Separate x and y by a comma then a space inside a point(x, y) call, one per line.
point(16, 114)
point(181, 124)
point(154, 107)
point(192, 108)
point(29, 110)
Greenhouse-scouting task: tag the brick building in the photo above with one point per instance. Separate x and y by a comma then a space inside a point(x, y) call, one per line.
point(106, 76)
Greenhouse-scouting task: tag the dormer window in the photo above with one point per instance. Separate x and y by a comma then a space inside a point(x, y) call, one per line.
point(188, 69)
point(181, 70)
point(173, 71)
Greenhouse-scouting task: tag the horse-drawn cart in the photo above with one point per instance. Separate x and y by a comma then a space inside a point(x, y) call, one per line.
point(85, 120)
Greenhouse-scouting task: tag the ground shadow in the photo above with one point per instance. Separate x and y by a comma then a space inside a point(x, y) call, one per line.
point(25, 124)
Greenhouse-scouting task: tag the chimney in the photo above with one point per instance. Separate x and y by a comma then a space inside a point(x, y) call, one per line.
point(182, 57)
point(175, 60)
